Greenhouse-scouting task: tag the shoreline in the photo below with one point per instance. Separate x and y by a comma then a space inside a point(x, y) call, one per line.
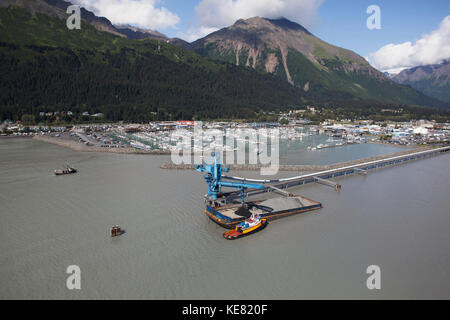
point(396, 145)
point(76, 146)
point(16, 137)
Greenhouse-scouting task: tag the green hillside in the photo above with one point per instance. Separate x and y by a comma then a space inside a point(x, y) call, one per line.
point(437, 88)
point(310, 63)
point(45, 67)
point(433, 80)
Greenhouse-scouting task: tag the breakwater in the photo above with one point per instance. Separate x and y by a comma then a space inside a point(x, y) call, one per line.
point(252, 167)
point(323, 176)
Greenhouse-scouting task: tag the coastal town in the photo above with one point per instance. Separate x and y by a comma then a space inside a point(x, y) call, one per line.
point(234, 157)
point(163, 137)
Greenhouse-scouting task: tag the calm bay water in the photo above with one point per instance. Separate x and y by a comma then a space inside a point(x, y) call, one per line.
point(397, 218)
point(295, 152)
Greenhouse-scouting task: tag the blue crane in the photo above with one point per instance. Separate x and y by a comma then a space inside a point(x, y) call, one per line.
point(214, 179)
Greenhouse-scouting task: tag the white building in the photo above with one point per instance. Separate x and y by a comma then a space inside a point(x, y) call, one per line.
point(420, 130)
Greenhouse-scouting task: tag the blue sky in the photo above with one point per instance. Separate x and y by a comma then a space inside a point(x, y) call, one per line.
point(343, 22)
point(339, 22)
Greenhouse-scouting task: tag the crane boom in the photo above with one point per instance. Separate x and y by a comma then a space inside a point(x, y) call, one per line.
point(214, 179)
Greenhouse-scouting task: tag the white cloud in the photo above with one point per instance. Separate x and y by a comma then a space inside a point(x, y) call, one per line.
point(193, 34)
point(215, 14)
point(142, 13)
point(430, 49)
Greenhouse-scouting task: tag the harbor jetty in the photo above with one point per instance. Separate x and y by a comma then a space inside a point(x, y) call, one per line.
point(229, 209)
point(254, 167)
point(343, 170)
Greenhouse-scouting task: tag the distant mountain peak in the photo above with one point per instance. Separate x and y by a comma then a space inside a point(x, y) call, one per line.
point(280, 22)
point(287, 24)
point(272, 45)
point(431, 79)
point(133, 32)
point(58, 8)
point(260, 22)
point(425, 71)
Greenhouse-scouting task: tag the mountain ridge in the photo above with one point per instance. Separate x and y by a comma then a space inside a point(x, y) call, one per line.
point(36, 48)
point(433, 79)
point(58, 8)
point(291, 52)
point(127, 30)
point(47, 67)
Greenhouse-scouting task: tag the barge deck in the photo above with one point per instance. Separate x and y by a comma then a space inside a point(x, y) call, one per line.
point(269, 209)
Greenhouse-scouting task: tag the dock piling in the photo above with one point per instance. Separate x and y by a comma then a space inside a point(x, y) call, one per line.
point(329, 183)
point(279, 191)
point(361, 171)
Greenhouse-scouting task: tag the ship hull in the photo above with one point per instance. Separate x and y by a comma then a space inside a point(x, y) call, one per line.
point(230, 223)
point(233, 234)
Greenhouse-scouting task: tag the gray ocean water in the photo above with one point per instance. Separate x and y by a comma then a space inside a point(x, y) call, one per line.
point(397, 218)
point(295, 152)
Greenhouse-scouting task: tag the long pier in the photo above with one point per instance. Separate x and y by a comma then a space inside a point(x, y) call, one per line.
point(322, 176)
point(295, 167)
